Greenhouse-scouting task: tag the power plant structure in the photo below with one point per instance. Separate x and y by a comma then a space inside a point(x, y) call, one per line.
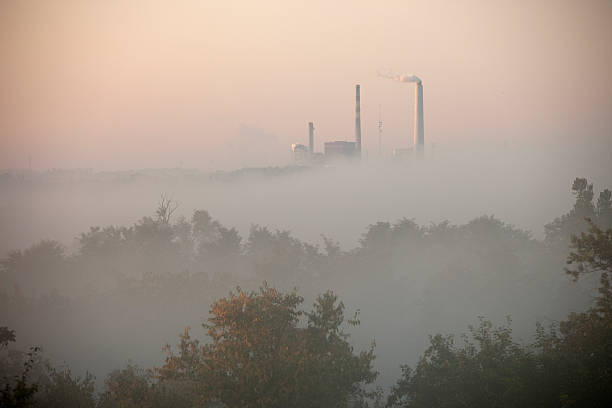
point(306, 154)
point(419, 128)
point(358, 120)
point(418, 143)
point(340, 150)
point(347, 150)
point(310, 137)
point(380, 129)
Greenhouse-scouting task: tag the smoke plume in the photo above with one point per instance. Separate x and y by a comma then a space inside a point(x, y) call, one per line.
point(400, 77)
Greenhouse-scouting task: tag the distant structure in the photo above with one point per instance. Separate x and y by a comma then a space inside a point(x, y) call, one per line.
point(419, 132)
point(310, 137)
point(305, 154)
point(358, 120)
point(332, 150)
point(380, 127)
point(340, 150)
point(300, 153)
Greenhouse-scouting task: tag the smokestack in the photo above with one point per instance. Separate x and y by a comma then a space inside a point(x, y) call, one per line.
point(419, 133)
point(310, 137)
point(358, 119)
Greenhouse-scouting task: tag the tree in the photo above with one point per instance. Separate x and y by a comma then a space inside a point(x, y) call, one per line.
point(165, 209)
point(223, 244)
point(559, 231)
point(135, 387)
point(259, 356)
point(46, 256)
point(378, 237)
point(584, 198)
point(577, 355)
point(16, 387)
point(567, 366)
point(592, 253)
point(6, 336)
point(203, 225)
point(276, 256)
point(604, 209)
point(62, 390)
point(490, 370)
point(332, 247)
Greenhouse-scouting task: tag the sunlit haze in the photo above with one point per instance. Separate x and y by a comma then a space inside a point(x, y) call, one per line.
point(225, 84)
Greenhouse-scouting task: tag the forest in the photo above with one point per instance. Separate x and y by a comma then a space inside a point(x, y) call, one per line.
point(186, 312)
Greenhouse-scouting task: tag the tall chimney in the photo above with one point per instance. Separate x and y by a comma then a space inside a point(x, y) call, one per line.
point(358, 120)
point(311, 137)
point(419, 133)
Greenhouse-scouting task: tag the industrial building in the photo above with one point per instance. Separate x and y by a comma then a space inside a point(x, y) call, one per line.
point(300, 153)
point(332, 150)
point(340, 149)
point(347, 150)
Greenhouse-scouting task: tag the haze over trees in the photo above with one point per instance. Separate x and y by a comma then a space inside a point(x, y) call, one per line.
point(568, 364)
point(127, 290)
point(560, 231)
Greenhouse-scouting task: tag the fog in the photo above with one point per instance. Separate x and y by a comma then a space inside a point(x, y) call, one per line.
point(518, 184)
point(99, 310)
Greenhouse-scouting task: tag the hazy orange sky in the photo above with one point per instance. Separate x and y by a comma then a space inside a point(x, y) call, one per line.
point(219, 84)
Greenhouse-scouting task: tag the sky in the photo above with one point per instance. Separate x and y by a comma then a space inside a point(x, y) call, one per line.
point(113, 85)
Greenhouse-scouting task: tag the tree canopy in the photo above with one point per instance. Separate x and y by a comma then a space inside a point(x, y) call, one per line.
point(259, 355)
point(568, 365)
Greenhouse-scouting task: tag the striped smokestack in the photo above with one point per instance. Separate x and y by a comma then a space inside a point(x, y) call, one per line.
point(419, 133)
point(357, 120)
point(310, 137)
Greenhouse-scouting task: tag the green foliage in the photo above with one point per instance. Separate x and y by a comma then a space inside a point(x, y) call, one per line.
point(258, 354)
point(576, 358)
point(579, 353)
point(26, 380)
point(16, 388)
point(604, 209)
point(560, 231)
point(45, 256)
point(6, 336)
point(570, 365)
point(216, 249)
point(135, 387)
point(592, 253)
point(488, 370)
point(61, 390)
point(277, 256)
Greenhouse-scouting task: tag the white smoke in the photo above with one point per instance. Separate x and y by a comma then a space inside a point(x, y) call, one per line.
point(409, 78)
